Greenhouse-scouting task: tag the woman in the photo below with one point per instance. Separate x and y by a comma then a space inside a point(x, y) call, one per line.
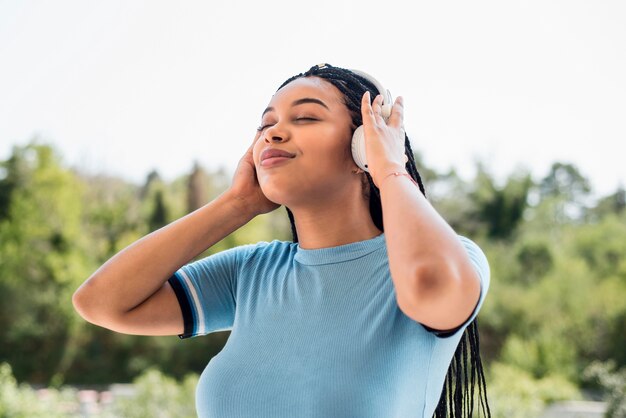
point(351, 319)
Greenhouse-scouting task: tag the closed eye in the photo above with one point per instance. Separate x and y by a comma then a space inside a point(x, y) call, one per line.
point(263, 127)
point(306, 119)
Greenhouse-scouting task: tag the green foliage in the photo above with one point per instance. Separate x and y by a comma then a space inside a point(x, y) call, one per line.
point(535, 260)
point(153, 394)
point(515, 393)
point(614, 383)
point(159, 216)
point(448, 193)
point(565, 181)
point(602, 246)
point(21, 401)
point(540, 356)
point(555, 313)
point(157, 395)
point(501, 209)
point(198, 188)
point(44, 258)
point(113, 216)
point(614, 204)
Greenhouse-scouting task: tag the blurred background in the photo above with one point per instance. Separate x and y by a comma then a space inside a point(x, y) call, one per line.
point(117, 118)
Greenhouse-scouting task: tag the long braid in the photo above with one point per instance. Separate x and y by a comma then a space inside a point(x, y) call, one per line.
point(457, 396)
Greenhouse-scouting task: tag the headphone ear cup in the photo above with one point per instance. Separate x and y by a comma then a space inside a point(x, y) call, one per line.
point(358, 148)
point(386, 111)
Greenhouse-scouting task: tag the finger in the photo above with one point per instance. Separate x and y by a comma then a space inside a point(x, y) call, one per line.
point(396, 119)
point(377, 107)
point(367, 113)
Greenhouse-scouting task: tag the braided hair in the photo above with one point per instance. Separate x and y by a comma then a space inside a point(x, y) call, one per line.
point(457, 397)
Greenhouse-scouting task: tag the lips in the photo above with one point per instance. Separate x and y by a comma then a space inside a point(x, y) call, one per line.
point(275, 152)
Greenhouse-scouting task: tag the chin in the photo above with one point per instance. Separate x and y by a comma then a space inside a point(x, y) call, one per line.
point(275, 194)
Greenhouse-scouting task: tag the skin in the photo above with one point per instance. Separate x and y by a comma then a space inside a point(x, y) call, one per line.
point(434, 280)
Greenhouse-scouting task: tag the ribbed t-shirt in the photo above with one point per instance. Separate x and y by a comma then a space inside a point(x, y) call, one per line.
point(314, 333)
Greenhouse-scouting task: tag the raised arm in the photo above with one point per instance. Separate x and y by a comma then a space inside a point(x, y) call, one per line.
point(130, 293)
point(436, 283)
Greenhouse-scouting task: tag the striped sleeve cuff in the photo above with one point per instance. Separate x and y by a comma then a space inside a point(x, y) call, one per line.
point(187, 296)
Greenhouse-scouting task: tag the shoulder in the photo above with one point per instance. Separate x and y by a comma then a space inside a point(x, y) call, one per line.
point(244, 256)
point(264, 251)
point(479, 261)
point(476, 255)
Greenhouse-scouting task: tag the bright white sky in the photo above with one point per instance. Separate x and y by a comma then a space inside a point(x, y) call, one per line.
point(127, 86)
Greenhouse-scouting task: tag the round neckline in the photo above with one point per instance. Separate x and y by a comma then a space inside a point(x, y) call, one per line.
point(344, 252)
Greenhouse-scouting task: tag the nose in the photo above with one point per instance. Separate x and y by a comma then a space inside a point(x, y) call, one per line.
point(275, 133)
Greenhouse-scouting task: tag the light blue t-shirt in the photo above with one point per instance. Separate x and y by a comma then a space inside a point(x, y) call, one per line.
point(314, 333)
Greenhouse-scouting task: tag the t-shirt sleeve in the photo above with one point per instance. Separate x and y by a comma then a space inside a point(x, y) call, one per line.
point(481, 265)
point(206, 291)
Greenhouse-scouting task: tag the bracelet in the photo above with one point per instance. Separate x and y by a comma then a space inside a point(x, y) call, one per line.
point(397, 174)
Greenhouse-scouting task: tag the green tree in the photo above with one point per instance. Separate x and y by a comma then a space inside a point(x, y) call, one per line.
point(112, 214)
point(44, 258)
point(197, 188)
point(565, 180)
point(155, 208)
point(613, 204)
point(500, 209)
point(566, 190)
point(159, 215)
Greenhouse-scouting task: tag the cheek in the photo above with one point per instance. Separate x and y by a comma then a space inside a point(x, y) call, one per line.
point(326, 155)
point(256, 151)
point(336, 142)
point(339, 151)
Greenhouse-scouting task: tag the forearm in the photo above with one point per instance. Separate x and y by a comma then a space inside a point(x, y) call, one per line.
point(138, 271)
point(434, 279)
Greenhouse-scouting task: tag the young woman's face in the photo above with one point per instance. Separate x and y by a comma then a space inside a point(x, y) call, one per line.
point(307, 119)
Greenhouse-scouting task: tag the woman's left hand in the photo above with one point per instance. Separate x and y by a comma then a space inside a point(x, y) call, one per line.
point(384, 141)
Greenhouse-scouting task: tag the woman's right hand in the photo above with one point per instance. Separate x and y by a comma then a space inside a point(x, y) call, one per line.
point(245, 188)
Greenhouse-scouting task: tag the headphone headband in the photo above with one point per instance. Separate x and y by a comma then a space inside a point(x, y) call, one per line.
point(387, 101)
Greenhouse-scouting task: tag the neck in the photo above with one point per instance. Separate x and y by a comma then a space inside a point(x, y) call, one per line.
point(334, 221)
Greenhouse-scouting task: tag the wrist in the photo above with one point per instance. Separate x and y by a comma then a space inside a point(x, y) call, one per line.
point(379, 175)
point(240, 206)
point(396, 174)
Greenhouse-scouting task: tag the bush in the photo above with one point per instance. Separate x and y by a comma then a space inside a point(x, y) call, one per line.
point(21, 401)
point(515, 393)
point(613, 382)
point(157, 395)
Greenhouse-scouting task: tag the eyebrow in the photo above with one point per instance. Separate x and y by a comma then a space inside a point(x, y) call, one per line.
point(299, 102)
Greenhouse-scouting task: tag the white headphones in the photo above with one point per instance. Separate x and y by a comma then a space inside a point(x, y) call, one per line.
point(358, 138)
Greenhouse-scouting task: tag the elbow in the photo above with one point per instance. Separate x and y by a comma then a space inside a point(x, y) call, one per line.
point(80, 301)
point(90, 306)
point(428, 282)
point(423, 285)
point(97, 306)
point(439, 295)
